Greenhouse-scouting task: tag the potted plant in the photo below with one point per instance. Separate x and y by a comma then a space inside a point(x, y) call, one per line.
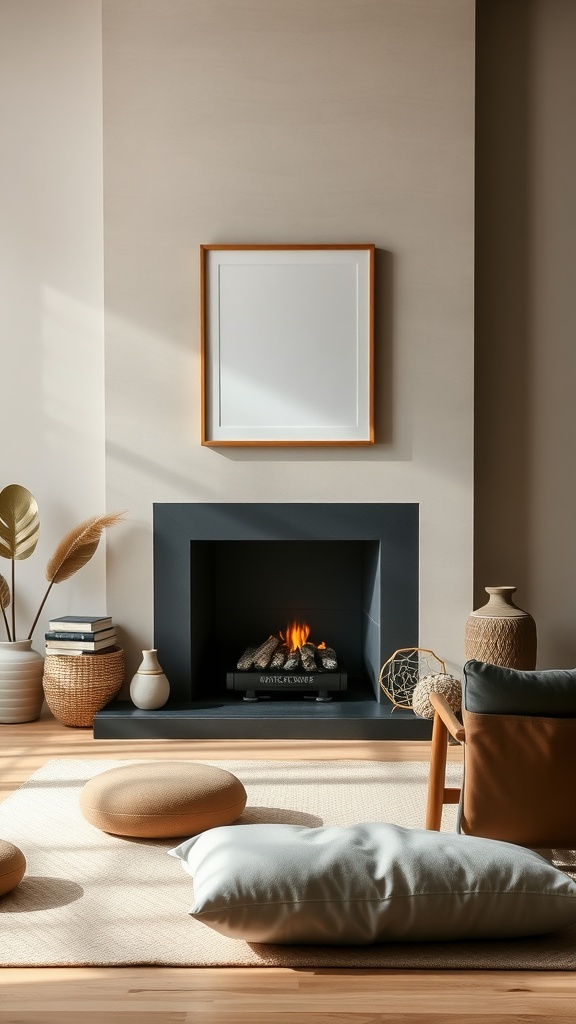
point(21, 667)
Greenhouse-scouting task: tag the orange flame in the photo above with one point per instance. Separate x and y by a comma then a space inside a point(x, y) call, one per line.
point(296, 634)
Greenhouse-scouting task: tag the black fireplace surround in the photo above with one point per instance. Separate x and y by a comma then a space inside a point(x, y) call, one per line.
point(227, 575)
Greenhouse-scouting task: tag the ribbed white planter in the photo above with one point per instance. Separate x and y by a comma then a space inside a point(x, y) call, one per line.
point(21, 671)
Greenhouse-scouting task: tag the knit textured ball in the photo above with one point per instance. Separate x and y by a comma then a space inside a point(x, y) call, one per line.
point(436, 682)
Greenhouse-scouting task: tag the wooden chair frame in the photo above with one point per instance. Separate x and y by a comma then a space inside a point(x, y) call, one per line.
point(445, 722)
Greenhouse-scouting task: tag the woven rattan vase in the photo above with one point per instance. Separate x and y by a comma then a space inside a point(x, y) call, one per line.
point(500, 633)
point(76, 687)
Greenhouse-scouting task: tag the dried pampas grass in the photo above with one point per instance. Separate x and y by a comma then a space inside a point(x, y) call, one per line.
point(74, 551)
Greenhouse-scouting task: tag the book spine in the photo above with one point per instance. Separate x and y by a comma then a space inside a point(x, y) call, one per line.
point(80, 645)
point(61, 652)
point(71, 635)
point(77, 652)
point(80, 625)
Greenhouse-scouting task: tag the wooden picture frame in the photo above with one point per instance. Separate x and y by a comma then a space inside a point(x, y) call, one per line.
point(287, 342)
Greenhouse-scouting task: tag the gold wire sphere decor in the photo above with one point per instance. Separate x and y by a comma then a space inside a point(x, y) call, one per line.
point(401, 673)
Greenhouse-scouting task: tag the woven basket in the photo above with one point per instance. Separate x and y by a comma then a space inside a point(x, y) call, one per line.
point(77, 687)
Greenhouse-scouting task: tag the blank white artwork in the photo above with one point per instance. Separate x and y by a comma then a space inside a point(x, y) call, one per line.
point(287, 348)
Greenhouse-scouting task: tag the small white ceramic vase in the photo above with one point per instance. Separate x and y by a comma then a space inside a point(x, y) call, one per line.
point(149, 688)
point(21, 671)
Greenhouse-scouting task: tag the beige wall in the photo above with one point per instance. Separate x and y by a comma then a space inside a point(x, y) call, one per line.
point(351, 120)
point(526, 319)
point(51, 285)
point(292, 121)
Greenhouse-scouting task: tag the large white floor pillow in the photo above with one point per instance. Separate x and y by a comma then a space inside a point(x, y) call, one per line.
point(162, 799)
point(370, 883)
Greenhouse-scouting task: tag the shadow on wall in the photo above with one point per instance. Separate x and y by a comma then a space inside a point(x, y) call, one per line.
point(502, 298)
point(525, 369)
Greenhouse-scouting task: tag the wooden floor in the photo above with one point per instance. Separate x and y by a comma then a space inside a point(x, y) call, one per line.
point(148, 995)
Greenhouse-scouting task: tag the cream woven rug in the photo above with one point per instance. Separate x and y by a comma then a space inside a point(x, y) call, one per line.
point(93, 899)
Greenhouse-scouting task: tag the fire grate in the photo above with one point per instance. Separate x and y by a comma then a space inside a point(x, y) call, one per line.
point(254, 682)
point(288, 661)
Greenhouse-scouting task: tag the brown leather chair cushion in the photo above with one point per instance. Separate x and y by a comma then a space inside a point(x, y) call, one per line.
point(519, 779)
point(162, 799)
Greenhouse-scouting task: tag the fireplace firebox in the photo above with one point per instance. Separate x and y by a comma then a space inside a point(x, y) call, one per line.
point(228, 575)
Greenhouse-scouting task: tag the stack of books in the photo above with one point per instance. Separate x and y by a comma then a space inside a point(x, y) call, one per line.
point(80, 634)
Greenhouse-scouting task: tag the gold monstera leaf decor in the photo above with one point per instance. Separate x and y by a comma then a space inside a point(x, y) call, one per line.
point(19, 532)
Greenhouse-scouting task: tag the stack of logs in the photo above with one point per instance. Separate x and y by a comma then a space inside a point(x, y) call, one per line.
point(273, 654)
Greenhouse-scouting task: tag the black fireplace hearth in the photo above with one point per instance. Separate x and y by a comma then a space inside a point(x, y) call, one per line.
point(230, 574)
point(356, 717)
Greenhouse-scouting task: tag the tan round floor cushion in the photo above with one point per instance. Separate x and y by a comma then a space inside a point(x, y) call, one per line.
point(162, 799)
point(12, 866)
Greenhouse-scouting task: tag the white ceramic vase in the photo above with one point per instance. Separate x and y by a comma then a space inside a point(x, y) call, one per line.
point(21, 671)
point(149, 688)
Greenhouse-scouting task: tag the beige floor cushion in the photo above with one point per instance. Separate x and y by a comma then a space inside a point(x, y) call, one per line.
point(12, 866)
point(161, 799)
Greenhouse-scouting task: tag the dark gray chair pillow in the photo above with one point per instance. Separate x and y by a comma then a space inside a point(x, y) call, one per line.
point(494, 690)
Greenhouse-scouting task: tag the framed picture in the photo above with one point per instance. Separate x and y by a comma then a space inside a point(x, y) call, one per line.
point(287, 334)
